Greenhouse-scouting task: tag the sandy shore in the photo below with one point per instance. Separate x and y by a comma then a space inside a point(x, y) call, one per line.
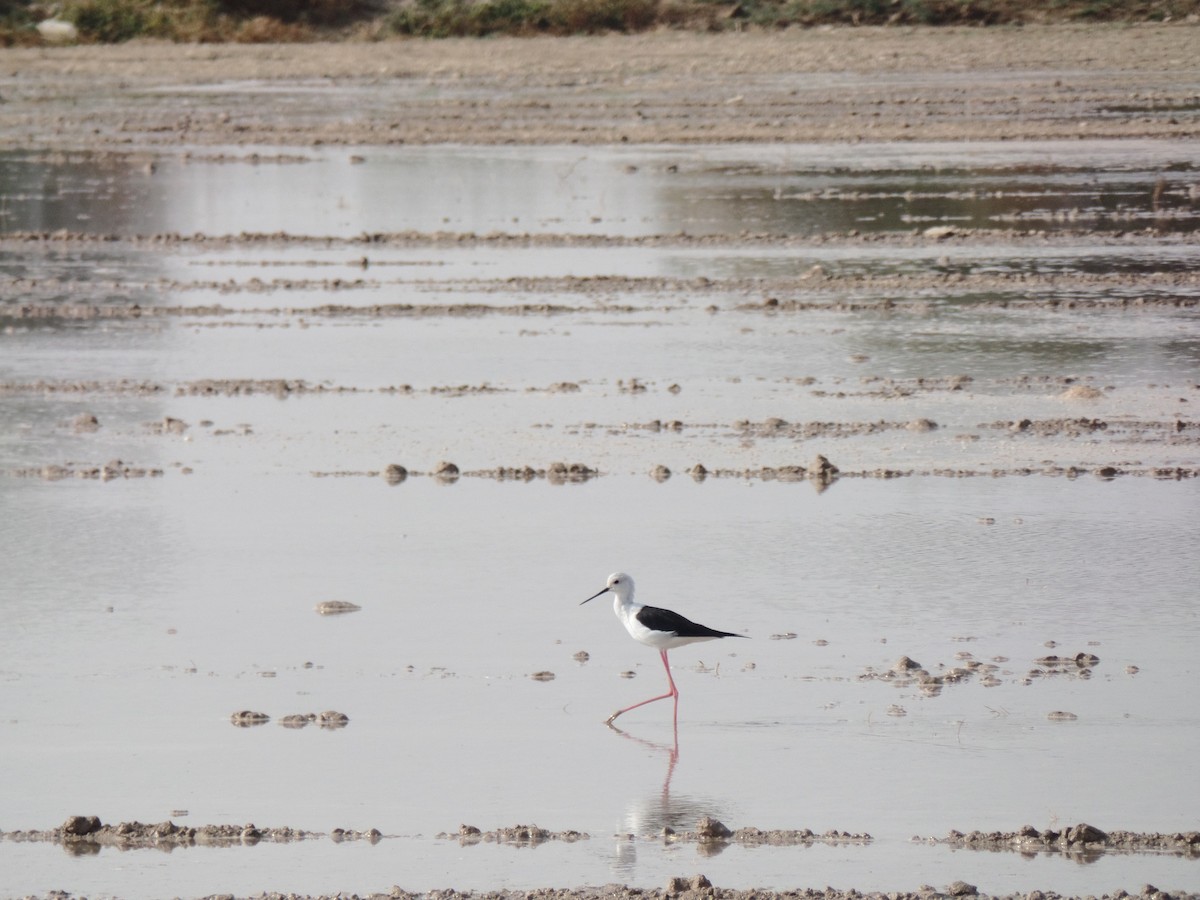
point(818, 85)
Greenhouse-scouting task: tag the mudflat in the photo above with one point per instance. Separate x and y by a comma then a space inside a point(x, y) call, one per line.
point(850, 84)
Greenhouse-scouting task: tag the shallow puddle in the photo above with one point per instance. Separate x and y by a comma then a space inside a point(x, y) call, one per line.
point(195, 453)
point(790, 189)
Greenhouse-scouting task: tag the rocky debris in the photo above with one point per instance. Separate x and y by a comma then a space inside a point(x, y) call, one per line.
point(1076, 839)
point(519, 835)
point(336, 607)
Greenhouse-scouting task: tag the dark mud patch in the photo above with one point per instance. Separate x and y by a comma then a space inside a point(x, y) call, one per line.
point(515, 835)
point(1084, 842)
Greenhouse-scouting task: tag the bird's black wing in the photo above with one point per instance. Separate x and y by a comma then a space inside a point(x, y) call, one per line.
point(665, 620)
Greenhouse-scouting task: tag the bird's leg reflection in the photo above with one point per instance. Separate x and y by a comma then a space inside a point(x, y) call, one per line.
point(672, 758)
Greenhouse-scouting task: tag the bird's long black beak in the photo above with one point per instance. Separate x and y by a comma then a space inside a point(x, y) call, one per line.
point(595, 595)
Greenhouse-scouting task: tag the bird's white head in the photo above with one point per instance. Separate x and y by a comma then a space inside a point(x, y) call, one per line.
point(620, 584)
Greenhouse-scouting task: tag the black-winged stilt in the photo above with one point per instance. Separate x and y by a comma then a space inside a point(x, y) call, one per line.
point(654, 627)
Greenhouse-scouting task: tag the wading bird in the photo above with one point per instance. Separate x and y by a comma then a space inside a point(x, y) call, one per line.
point(654, 627)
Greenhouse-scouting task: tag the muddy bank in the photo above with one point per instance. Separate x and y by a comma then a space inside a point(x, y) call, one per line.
point(841, 84)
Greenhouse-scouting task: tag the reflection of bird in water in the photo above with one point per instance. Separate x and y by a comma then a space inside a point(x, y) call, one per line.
point(650, 815)
point(654, 627)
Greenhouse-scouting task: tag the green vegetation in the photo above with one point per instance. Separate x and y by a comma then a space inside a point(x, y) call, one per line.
point(105, 21)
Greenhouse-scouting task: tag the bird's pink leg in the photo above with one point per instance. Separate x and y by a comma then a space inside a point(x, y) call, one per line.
point(673, 692)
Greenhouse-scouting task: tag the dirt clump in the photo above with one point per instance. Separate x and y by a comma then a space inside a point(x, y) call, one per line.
point(1076, 840)
point(520, 835)
point(336, 607)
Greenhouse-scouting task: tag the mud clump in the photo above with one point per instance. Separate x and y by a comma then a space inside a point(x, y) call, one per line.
point(712, 831)
point(84, 835)
point(167, 425)
point(85, 423)
point(112, 470)
point(446, 472)
point(336, 607)
point(822, 472)
point(517, 835)
point(80, 826)
point(907, 672)
point(248, 718)
point(1076, 840)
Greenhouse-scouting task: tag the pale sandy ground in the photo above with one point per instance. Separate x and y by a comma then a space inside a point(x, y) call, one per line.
point(835, 84)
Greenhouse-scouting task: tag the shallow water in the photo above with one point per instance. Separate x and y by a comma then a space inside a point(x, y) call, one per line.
point(798, 189)
point(142, 611)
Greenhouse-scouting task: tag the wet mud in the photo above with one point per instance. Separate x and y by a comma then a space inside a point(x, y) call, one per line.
point(1084, 842)
point(86, 835)
point(1067, 81)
